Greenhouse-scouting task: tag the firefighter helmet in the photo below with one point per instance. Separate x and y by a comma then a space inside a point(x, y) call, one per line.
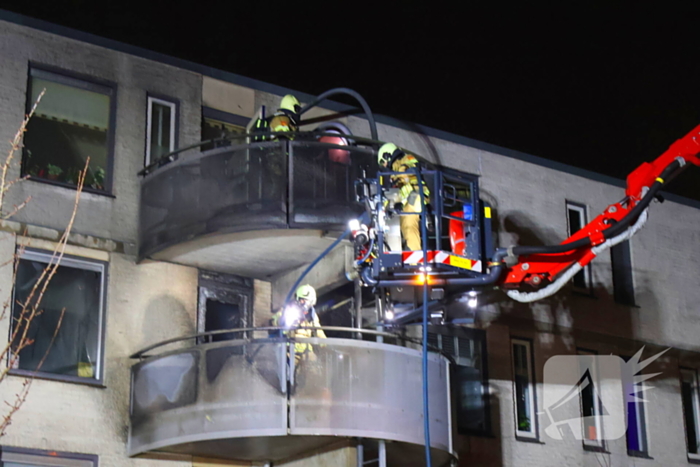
point(386, 153)
point(306, 293)
point(290, 103)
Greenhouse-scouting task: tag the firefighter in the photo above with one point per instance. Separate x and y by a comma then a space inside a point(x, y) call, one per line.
point(300, 315)
point(286, 119)
point(393, 158)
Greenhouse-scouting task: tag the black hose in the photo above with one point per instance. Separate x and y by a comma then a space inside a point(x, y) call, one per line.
point(351, 93)
point(611, 232)
point(424, 244)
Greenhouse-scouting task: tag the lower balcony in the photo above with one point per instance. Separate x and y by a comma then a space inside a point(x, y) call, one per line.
point(250, 209)
point(252, 400)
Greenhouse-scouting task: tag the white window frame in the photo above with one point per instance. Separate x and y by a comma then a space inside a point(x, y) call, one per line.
point(87, 264)
point(531, 386)
point(599, 441)
point(693, 377)
point(582, 210)
point(149, 114)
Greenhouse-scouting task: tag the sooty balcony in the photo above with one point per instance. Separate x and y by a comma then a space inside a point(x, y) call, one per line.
point(250, 209)
point(251, 400)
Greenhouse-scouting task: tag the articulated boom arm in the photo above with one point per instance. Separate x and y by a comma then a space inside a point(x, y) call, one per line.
point(538, 266)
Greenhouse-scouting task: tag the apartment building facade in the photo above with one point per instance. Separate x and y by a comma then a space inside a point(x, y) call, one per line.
point(124, 107)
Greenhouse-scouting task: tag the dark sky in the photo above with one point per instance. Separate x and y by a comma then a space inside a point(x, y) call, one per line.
point(598, 85)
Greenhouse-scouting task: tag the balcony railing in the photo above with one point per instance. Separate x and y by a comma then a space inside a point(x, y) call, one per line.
point(252, 400)
point(302, 184)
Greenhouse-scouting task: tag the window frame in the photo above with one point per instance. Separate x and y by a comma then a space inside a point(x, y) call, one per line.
point(582, 209)
point(87, 83)
point(234, 289)
point(599, 443)
point(46, 458)
point(174, 105)
point(642, 431)
point(520, 435)
point(478, 335)
point(78, 262)
point(696, 409)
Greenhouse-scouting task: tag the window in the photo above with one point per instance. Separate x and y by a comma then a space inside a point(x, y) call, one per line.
point(21, 457)
point(577, 219)
point(74, 121)
point(467, 347)
point(161, 132)
point(78, 287)
point(623, 282)
point(219, 124)
point(591, 404)
point(225, 302)
point(636, 418)
point(691, 411)
point(524, 384)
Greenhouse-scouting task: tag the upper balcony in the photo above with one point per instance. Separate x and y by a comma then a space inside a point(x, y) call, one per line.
point(252, 400)
point(250, 208)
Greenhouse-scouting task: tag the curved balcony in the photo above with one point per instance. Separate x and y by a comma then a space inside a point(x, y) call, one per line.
point(248, 400)
point(250, 209)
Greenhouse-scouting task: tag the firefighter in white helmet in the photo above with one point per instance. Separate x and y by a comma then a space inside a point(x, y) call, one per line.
point(392, 158)
point(300, 318)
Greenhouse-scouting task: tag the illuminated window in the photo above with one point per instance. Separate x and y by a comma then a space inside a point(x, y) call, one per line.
point(74, 121)
point(524, 385)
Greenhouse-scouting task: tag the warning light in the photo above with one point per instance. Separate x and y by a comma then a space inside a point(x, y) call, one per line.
point(422, 278)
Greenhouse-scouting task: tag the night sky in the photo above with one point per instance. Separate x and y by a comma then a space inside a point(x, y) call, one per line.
point(598, 85)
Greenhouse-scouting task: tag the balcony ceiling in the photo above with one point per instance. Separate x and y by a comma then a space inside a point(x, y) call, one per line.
point(256, 254)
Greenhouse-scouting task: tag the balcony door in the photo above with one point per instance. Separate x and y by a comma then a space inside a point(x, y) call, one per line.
point(225, 302)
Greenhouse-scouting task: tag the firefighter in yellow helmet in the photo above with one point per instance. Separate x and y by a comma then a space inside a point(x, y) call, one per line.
point(300, 317)
point(392, 158)
point(286, 119)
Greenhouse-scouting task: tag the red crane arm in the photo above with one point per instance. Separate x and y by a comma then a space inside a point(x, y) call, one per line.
point(542, 268)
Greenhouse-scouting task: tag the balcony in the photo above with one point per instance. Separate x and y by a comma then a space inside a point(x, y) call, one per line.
point(251, 400)
point(250, 209)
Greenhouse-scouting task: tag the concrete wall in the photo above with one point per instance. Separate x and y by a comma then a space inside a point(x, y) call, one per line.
point(146, 303)
point(101, 216)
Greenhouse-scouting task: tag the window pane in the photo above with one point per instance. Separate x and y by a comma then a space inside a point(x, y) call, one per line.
point(523, 388)
point(69, 126)
point(576, 221)
point(623, 283)
point(470, 399)
point(689, 395)
point(590, 403)
point(161, 116)
point(75, 350)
